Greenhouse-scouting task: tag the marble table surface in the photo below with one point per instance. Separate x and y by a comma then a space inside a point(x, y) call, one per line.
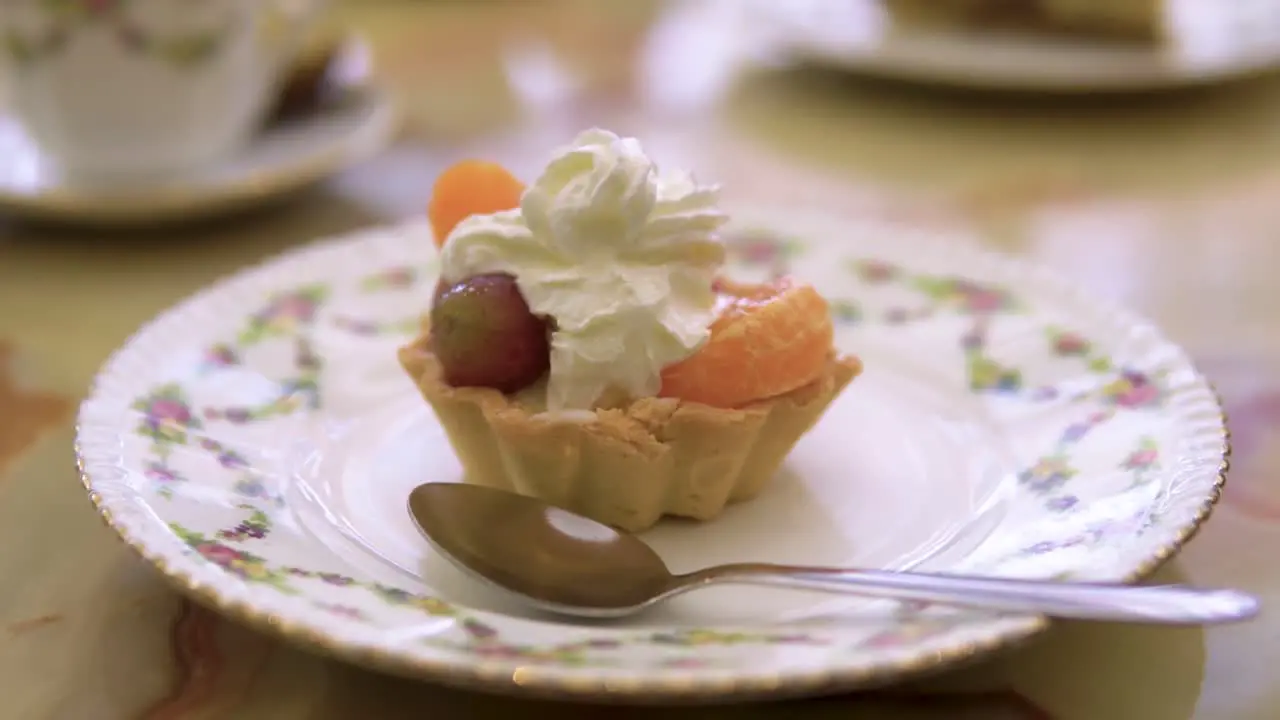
point(1164, 202)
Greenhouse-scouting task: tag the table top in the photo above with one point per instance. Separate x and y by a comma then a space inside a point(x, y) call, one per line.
point(1164, 202)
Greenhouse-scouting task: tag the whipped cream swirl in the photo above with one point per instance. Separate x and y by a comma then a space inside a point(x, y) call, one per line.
point(620, 256)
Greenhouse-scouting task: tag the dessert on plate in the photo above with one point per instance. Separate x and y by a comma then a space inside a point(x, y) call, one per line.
point(1119, 19)
point(583, 348)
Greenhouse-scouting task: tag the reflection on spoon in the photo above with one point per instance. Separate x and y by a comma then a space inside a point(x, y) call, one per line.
point(571, 565)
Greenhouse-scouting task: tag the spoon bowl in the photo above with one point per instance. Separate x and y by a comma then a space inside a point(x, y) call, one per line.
point(564, 563)
point(547, 556)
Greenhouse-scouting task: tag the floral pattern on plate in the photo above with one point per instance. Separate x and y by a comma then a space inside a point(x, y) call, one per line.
point(1120, 451)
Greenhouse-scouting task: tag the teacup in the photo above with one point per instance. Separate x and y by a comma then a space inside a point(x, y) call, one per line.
point(144, 87)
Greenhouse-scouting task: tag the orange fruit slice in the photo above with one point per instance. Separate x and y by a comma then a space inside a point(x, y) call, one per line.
point(471, 187)
point(767, 341)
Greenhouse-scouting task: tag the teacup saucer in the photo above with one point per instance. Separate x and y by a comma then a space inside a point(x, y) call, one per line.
point(285, 157)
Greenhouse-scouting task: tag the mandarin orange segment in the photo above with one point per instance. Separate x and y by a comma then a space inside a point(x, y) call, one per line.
point(471, 187)
point(767, 341)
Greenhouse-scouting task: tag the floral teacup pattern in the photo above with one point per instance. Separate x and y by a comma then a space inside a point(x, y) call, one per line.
point(53, 24)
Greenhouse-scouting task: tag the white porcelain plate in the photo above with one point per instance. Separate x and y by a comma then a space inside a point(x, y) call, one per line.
point(1209, 41)
point(258, 443)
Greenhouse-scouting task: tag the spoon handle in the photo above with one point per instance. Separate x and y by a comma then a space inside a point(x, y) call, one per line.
point(1163, 604)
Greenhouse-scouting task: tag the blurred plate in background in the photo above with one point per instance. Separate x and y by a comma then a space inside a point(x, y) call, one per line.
point(1208, 41)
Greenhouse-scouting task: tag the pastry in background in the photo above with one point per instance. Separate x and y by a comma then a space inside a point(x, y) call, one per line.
point(1138, 20)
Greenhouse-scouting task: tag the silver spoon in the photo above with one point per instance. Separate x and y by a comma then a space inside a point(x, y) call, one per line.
point(567, 564)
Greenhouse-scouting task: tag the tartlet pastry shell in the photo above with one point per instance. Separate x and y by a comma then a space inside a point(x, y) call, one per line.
point(625, 466)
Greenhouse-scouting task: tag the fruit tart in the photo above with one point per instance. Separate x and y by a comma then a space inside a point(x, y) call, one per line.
point(582, 347)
